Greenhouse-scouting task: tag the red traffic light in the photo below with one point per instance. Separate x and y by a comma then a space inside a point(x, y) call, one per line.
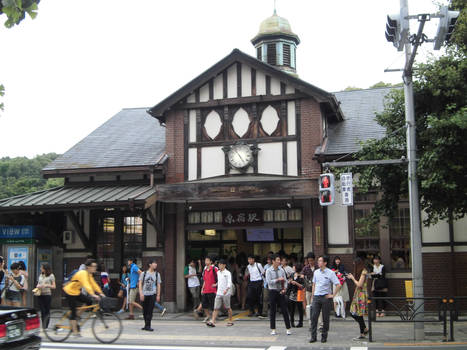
point(325, 181)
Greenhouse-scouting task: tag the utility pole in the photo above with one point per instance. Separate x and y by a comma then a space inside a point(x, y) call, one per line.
point(415, 223)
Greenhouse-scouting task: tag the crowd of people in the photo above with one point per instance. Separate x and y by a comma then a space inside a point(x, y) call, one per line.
point(310, 287)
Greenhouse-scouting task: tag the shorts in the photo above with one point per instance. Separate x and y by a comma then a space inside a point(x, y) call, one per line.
point(133, 293)
point(208, 301)
point(222, 300)
point(13, 296)
point(74, 300)
point(123, 292)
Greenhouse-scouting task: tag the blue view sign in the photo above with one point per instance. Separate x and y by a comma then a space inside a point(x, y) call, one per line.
point(17, 234)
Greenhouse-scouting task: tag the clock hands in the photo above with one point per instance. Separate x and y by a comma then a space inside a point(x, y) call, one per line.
point(238, 154)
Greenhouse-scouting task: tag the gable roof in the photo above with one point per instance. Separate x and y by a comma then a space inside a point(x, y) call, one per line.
point(359, 124)
point(129, 138)
point(159, 110)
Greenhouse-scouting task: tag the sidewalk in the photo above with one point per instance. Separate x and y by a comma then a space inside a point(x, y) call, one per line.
point(183, 329)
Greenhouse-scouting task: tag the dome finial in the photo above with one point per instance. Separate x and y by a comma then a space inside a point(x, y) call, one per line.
point(275, 12)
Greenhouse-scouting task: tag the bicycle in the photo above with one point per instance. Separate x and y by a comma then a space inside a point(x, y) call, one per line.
point(106, 326)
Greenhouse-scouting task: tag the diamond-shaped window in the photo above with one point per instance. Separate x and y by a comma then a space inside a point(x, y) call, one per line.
point(213, 124)
point(241, 122)
point(269, 120)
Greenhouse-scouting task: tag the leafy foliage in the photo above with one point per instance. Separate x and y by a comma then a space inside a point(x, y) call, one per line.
point(16, 10)
point(22, 175)
point(440, 92)
point(459, 36)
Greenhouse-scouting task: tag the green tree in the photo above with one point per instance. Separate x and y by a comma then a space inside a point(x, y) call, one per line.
point(440, 93)
point(22, 175)
point(15, 11)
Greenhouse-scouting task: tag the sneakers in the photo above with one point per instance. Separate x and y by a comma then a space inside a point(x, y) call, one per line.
point(120, 311)
point(147, 329)
point(195, 315)
point(76, 335)
point(288, 332)
point(206, 319)
point(360, 338)
point(163, 311)
point(273, 332)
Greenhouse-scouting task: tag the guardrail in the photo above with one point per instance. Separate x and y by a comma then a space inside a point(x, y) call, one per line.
point(406, 310)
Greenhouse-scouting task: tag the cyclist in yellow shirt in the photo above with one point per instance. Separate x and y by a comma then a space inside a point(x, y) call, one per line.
point(82, 279)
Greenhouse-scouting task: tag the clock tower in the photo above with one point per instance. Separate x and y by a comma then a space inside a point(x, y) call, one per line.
point(276, 44)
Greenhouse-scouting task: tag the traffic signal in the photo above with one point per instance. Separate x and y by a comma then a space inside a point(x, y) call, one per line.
point(397, 28)
point(446, 26)
point(326, 189)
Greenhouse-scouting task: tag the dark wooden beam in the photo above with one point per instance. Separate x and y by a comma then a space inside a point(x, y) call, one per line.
point(239, 79)
point(241, 101)
point(78, 228)
point(224, 84)
point(228, 191)
point(247, 140)
point(253, 82)
point(268, 85)
point(211, 89)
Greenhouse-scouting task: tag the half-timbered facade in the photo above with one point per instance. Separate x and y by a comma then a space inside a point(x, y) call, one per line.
point(227, 164)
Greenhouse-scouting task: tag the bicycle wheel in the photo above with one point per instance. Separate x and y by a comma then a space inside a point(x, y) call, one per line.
point(59, 327)
point(106, 327)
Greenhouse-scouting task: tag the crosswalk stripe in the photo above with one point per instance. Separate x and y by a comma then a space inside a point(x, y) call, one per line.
point(358, 348)
point(62, 346)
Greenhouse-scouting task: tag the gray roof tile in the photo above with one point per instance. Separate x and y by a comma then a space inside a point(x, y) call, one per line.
point(359, 108)
point(130, 138)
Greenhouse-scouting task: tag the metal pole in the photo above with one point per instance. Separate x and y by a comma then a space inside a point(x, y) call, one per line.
point(415, 229)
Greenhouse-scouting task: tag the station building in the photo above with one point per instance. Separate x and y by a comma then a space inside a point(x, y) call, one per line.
point(228, 163)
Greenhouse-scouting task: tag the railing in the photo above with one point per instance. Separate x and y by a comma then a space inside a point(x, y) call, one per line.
point(407, 311)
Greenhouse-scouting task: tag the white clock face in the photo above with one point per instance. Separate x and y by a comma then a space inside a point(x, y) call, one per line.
point(240, 156)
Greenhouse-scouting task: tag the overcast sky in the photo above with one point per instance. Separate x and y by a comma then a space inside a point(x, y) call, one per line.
point(80, 62)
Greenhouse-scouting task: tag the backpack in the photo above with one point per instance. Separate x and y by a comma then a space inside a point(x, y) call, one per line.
point(213, 269)
point(68, 278)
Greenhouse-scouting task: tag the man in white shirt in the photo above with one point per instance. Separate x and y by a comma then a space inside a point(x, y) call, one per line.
point(323, 280)
point(224, 292)
point(255, 286)
point(191, 275)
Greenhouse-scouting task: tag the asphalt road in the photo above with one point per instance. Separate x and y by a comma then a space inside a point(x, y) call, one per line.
point(80, 346)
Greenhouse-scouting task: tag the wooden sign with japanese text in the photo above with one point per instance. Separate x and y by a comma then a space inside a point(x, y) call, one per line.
point(242, 217)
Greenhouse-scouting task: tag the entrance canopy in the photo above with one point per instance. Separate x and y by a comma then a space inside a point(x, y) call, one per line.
point(70, 197)
point(238, 188)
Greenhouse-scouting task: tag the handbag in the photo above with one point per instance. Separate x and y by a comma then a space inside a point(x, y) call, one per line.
point(5, 290)
point(380, 283)
point(37, 292)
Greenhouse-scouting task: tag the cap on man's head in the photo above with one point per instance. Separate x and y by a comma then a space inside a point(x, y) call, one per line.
point(310, 255)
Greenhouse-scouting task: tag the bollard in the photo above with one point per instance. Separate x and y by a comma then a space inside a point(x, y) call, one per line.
point(451, 320)
point(370, 333)
point(444, 316)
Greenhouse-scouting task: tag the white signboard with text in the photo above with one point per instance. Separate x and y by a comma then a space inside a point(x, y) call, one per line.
point(347, 189)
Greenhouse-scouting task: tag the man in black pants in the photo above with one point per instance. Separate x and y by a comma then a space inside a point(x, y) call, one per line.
point(323, 279)
point(277, 285)
point(149, 293)
point(255, 286)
